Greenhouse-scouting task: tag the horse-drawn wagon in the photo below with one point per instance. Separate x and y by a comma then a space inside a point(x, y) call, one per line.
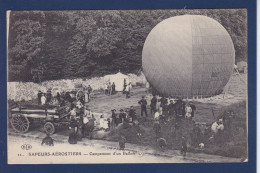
point(21, 118)
point(52, 115)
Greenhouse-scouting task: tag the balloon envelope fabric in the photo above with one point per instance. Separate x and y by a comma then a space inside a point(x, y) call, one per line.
point(188, 56)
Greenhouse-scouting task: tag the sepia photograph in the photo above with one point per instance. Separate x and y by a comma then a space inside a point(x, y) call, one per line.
point(127, 86)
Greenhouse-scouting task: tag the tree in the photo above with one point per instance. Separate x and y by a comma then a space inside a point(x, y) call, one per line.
point(74, 44)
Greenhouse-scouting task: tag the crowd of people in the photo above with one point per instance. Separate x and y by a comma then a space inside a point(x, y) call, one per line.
point(162, 110)
point(165, 109)
point(60, 97)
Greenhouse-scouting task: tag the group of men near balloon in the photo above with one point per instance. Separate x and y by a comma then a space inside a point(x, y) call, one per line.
point(162, 110)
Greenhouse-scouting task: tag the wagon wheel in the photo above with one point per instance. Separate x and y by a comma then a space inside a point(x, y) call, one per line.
point(20, 123)
point(49, 128)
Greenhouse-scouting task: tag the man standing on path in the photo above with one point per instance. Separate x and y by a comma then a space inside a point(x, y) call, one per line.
point(113, 88)
point(127, 91)
point(171, 109)
point(164, 102)
point(39, 97)
point(89, 90)
point(193, 107)
point(143, 104)
point(132, 114)
point(153, 104)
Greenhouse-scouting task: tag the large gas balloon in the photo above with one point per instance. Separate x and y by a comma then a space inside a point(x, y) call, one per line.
point(188, 56)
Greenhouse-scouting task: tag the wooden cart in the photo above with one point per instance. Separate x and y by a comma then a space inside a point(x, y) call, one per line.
point(21, 118)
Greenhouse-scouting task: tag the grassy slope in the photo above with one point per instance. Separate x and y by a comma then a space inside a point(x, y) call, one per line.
point(234, 142)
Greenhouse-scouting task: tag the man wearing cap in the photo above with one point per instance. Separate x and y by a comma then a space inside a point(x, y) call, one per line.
point(143, 104)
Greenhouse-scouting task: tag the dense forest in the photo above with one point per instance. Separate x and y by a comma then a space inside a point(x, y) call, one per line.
point(51, 45)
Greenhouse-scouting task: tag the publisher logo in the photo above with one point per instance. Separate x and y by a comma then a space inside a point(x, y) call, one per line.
point(26, 147)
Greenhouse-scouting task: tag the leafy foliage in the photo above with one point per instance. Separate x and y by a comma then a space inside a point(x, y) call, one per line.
point(72, 44)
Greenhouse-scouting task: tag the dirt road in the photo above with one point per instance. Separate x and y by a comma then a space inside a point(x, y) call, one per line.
point(94, 151)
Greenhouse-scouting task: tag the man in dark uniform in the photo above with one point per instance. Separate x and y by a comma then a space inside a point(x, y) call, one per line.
point(79, 114)
point(193, 107)
point(58, 97)
point(132, 114)
point(113, 88)
point(122, 116)
point(48, 96)
point(124, 87)
point(179, 109)
point(163, 101)
point(39, 95)
point(114, 120)
point(153, 104)
point(164, 105)
point(143, 104)
point(171, 109)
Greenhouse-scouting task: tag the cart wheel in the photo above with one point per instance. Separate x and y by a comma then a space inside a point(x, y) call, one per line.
point(20, 123)
point(49, 128)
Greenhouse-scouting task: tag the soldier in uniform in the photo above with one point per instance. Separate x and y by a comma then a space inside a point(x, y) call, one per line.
point(79, 115)
point(153, 104)
point(122, 116)
point(48, 96)
point(179, 109)
point(58, 97)
point(132, 114)
point(171, 109)
point(143, 104)
point(114, 120)
point(39, 95)
point(113, 88)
